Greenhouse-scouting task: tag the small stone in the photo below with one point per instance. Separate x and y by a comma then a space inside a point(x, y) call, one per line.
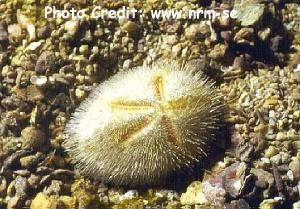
point(193, 194)
point(250, 14)
point(290, 175)
point(281, 136)
point(271, 151)
point(42, 201)
point(56, 188)
point(276, 43)
point(33, 138)
point(84, 49)
point(226, 35)
point(131, 27)
point(296, 145)
point(297, 73)
point(14, 33)
point(34, 46)
point(38, 80)
point(264, 34)
point(44, 32)
point(270, 101)
point(30, 161)
point(72, 26)
point(197, 31)
point(45, 62)
point(176, 49)
point(214, 194)
point(296, 94)
point(277, 159)
point(3, 33)
point(238, 63)
point(263, 176)
point(3, 186)
point(237, 204)
point(245, 151)
point(127, 64)
point(218, 52)
point(21, 187)
point(296, 205)
point(14, 203)
point(131, 194)
point(80, 94)
point(34, 93)
point(34, 180)
point(3, 59)
point(245, 35)
point(295, 168)
point(31, 32)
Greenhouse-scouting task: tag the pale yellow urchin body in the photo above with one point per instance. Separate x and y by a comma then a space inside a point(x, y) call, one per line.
point(141, 126)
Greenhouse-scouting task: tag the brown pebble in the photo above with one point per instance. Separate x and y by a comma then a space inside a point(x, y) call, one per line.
point(30, 161)
point(131, 27)
point(44, 32)
point(238, 63)
point(3, 33)
point(33, 138)
point(46, 61)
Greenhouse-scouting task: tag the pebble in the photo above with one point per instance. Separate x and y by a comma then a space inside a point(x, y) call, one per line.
point(45, 62)
point(295, 168)
point(249, 14)
point(271, 151)
point(33, 138)
point(226, 35)
point(42, 201)
point(34, 180)
point(127, 64)
point(14, 203)
point(3, 33)
point(31, 160)
point(277, 159)
point(196, 31)
point(193, 194)
point(3, 186)
point(290, 175)
point(72, 26)
point(21, 187)
point(31, 32)
point(14, 33)
point(130, 194)
point(296, 205)
point(38, 80)
point(268, 204)
point(264, 34)
point(44, 32)
point(56, 188)
point(237, 204)
point(131, 27)
point(34, 46)
point(3, 59)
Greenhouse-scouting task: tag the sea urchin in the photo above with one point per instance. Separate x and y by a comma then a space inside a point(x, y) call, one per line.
point(142, 125)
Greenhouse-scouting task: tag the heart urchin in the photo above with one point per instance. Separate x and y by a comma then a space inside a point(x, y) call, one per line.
point(143, 125)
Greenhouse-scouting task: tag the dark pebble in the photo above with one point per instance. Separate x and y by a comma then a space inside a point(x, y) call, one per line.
point(45, 62)
point(237, 204)
point(44, 32)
